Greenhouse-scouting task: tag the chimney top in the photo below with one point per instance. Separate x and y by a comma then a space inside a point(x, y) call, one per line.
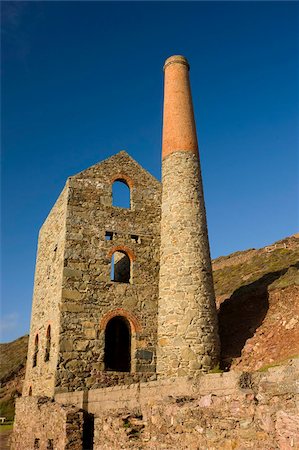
point(176, 59)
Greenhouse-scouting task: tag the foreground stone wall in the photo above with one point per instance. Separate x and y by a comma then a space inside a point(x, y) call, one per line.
point(232, 410)
point(43, 424)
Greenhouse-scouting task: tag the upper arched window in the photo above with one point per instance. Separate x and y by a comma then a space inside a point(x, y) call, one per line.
point(121, 194)
point(48, 344)
point(120, 267)
point(35, 353)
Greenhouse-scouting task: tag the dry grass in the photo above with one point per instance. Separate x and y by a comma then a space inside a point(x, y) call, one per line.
point(229, 279)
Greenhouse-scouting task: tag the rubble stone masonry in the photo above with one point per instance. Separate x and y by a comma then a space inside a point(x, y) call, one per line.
point(89, 297)
point(187, 327)
point(46, 425)
point(74, 292)
point(40, 379)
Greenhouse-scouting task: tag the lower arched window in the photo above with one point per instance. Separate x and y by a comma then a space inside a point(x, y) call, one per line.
point(118, 345)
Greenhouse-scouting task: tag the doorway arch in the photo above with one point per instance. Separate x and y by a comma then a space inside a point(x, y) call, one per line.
point(118, 345)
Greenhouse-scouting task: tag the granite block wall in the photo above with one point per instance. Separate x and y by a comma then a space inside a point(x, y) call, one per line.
point(44, 424)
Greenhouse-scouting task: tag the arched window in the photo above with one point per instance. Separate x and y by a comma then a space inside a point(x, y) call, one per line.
point(30, 391)
point(118, 345)
point(34, 362)
point(121, 195)
point(120, 267)
point(48, 344)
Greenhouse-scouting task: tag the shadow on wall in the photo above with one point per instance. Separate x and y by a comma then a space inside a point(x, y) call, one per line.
point(240, 315)
point(88, 431)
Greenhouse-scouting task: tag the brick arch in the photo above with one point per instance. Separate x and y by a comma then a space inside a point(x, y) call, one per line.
point(121, 248)
point(133, 321)
point(124, 178)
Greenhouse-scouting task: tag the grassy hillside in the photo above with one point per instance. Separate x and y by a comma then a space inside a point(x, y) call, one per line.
point(279, 260)
point(13, 357)
point(12, 370)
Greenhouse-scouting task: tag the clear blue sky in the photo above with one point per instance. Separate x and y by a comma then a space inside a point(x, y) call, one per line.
point(83, 80)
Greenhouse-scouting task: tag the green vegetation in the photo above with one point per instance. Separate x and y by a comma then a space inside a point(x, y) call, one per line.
point(229, 279)
point(276, 364)
point(13, 356)
point(290, 278)
point(6, 426)
point(7, 408)
point(216, 369)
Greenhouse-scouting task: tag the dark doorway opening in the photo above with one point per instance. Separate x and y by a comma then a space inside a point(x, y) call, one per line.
point(118, 345)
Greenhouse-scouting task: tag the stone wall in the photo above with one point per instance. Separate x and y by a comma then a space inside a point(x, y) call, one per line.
point(188, 339)
point(89, 297)
point(43, 424)
point(74, 293)
point(227, 411)
point(46, 298)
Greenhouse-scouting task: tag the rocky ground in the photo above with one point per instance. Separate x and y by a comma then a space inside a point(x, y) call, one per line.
point(258, 302)
point(257, 295)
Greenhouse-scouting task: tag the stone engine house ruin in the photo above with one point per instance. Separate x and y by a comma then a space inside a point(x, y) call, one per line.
point(96, 283)
point(123, 295)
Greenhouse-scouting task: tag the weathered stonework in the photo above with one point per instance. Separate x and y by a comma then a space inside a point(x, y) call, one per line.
point(88, 294)
point(46, 300)
point(230, 411)
point(44, 424)
point(73, 288)
point(187, 327)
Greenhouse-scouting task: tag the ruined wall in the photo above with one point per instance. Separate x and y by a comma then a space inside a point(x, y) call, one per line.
point(229, 411)
point(89, 297)
point(46, 425)
point(46, 298)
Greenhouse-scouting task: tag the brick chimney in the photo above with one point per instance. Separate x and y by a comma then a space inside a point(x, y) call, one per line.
point(188, 339)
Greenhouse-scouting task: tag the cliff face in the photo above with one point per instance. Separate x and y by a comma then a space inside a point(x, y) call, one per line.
point(258, 305)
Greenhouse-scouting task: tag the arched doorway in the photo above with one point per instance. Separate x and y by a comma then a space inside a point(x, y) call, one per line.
point(118, 345)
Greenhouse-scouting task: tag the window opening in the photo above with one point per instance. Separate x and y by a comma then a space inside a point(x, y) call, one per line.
point(121, 195)
point(50, 444)
point(30, 391)
point(36, 443)
point(109, 235)
point(48, 344)
point(135, 238)
point(34, 362)
point(120, 267)
point(118, 345)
